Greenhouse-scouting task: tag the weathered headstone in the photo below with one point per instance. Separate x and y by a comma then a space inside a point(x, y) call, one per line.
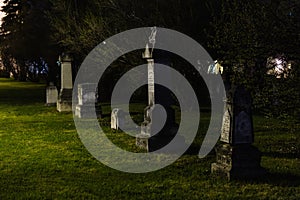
point(236, 157)
point(87, 101)
point(117, 119)
point(150, 138)
point(51, 95)
point(64, 102)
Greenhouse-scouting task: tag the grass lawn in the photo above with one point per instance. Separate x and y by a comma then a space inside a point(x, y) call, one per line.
point(42, 157)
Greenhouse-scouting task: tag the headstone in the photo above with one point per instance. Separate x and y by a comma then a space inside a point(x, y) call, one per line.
point(51, 95)
point(150, 138)
point(117, 119)
point(236, 157)
point(87, 101)
point(64, 102)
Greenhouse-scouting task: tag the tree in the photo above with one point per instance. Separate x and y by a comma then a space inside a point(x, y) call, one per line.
point(247, 33)
point(78, 31)
point(25, 34)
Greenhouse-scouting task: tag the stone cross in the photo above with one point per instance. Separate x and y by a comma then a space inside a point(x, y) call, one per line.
point(153, 135)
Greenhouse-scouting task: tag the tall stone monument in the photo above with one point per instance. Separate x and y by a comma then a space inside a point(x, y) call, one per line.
point(236, 156)
point(150, 138)
point(64, 102)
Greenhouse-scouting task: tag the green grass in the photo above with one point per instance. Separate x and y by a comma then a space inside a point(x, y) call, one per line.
point(42, 157)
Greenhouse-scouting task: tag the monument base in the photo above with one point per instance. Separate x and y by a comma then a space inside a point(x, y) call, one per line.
point(64, 102)
point(160, 140)
point(238, 162)
point(86, 111)
point(150, 140)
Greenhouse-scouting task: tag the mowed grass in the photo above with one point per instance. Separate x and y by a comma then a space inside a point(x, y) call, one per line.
point(42, 157)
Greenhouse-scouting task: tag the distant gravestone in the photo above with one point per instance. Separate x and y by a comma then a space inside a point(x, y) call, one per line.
point(64, 102)
point(236, 157)
point(117, 119)
point(51, 95)
point(87, 101)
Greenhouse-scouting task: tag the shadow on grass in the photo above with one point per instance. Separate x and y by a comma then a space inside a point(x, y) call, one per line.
point(275, 179)
point(282, 155)
point(193, 150)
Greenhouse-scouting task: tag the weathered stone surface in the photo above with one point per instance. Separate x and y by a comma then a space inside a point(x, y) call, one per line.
point(151, 94)
point(88, 111)
point(51, 95)
point(236, 157)
point(237, 127)
point(238, 162)
point(64, 102)
point(87, 106)
point(152, 139)
point(66, 72)
point(87, 93)
point(117, 118)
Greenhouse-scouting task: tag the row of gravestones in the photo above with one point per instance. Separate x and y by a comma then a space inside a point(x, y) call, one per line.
point(236, 157)
point(87, 96)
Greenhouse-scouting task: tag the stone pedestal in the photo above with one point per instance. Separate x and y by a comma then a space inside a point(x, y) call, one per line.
point(87, 101)
point(152, 139)
point(238, 162)
point(64, 102)
point(236, 157)
point(51, 95)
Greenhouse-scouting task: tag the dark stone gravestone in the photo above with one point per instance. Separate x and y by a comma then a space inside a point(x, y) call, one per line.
point(236, 156)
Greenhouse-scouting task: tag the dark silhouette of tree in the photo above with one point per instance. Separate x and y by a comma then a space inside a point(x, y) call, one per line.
point(25, 34)
point(246, 34)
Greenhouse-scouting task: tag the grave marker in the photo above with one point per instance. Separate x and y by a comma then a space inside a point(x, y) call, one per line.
point(152, 136)
point(51, 95)
point(87, 101)
point(64, 102)
point(236, 157)
point(117, 119)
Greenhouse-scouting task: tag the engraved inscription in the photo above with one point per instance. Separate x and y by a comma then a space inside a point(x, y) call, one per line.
point(225, 134)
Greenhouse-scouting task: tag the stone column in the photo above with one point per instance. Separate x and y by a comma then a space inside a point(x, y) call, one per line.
point(149, 139)
point(64, 102)
point(236, 157)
